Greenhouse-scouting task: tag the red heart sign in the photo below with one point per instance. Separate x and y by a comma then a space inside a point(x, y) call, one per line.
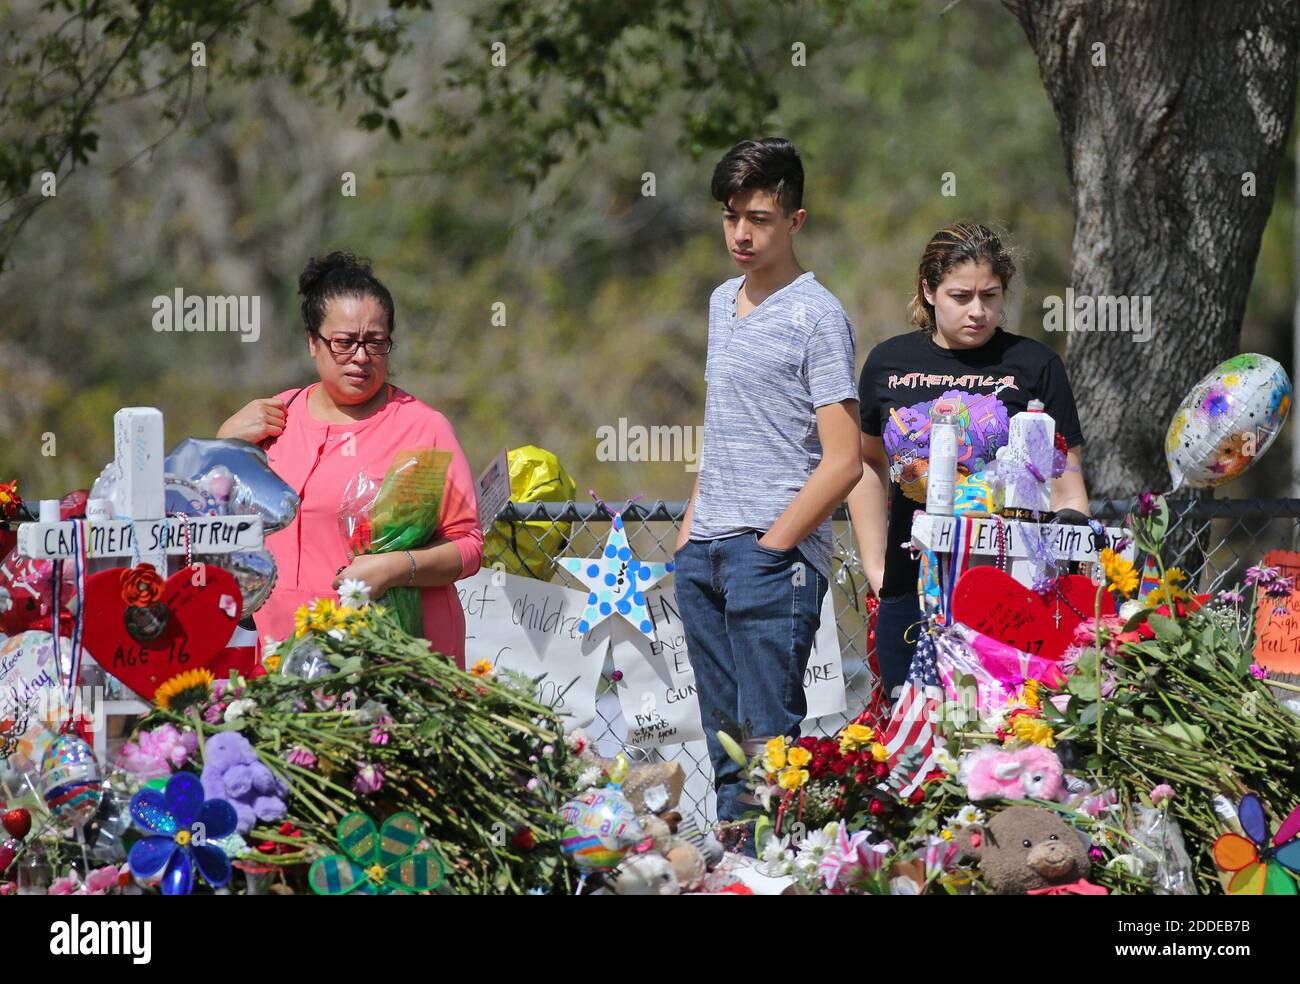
point(995, 603)
point(202, 610)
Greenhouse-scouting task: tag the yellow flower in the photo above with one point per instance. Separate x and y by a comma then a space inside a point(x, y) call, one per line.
point(482, 668)
point(1033, 730)
point(272, 663)
point(1168, 590)
point(879, 752)
point(792, 778)
point(854, 736)
point(184, 690)
point(946, 834)
point(1031, 697)
point(799, 757)
point(774, 757)
point(301, 620)
point(1120, 574)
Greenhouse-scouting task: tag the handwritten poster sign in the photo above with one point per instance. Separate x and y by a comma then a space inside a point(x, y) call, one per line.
point(657, 691)
point(531, 626)
point(1277, 637)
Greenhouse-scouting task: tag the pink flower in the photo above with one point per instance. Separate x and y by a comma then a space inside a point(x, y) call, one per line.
point(378, 736)
point(103, 880)
point(532, 783)
point(8, 888)
point(370, 779)
point(215, 713)
point(1258, 672)
point(1162, 794)
point(1260, 574)
point(67, 885)
point(155, 753)
point(301, 756)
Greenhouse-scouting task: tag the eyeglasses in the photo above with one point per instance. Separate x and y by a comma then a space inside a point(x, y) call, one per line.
point(346, 346)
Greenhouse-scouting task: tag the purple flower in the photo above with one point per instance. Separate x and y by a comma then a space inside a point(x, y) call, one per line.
point(370, 779)
point(378, 736)
point(1097, 854)
point(1258, 672)
point(1122, 544)
point(214, 713)
point(1234, 597)
point(301, 756)
point(1280, 587)
point(1042, 585)
point(1260, 574)
point(1147, 504)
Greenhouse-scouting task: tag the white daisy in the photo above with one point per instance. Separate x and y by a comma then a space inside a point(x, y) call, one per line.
point(354, 593)
point(588, 777)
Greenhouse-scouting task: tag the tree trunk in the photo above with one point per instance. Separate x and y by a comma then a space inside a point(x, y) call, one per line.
point(1164, 144)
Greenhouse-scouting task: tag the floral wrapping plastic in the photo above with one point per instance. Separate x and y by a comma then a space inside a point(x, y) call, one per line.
point(401, 513)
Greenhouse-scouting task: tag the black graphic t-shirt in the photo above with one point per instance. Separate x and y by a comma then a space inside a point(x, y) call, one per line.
point(906, 375)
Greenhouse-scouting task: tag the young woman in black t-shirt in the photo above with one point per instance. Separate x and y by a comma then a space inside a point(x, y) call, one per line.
point(960, 356)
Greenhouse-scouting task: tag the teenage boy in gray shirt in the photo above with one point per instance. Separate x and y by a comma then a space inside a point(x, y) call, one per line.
point(782, 449)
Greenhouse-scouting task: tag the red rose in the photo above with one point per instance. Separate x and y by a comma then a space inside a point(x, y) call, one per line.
point(839, 766)
point(524, 840)
point(828, 746)
point(876, 808)
point(881, 770)
point(918, 794)
point(809, 742)
point(862, 776)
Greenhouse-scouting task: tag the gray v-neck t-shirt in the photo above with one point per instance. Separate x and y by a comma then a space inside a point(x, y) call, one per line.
point(766, 375)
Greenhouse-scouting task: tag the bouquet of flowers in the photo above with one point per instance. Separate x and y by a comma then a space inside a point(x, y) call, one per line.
point(398, 514)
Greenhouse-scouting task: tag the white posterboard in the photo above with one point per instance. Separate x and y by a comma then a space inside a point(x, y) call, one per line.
point(657, 689)
point(531, 626)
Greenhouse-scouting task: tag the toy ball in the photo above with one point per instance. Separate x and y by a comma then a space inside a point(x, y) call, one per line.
point(71, 782)
point(600, 827)
point(1230, 418)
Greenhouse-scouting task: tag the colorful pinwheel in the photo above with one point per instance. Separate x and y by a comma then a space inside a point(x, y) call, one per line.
point(182, 829)
point(1252, 860)
point(378, 862)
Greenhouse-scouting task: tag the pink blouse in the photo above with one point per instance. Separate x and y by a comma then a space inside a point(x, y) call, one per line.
point(318, 459)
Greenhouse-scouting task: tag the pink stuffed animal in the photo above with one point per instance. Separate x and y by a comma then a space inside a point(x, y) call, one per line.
point(1030, 773)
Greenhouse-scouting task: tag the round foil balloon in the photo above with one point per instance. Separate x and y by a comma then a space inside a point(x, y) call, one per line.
point(255, 572)
point(599, 828)
point(1227, 421)
point(256, 489)
point(71, 782)
point(32, 698)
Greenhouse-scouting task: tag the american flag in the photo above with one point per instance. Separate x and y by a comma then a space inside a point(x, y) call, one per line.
point(912, 725)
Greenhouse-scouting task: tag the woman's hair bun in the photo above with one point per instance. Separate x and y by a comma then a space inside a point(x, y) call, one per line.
point(339, 273)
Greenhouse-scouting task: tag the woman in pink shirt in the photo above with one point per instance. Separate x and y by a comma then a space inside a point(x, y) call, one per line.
point(318, 438)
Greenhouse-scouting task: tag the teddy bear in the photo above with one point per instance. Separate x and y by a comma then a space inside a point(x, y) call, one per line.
point(1028, 850)
point(992, 772)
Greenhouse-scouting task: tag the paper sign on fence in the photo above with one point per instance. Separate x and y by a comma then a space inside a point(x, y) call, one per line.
point(657, 690)
point(523, 624)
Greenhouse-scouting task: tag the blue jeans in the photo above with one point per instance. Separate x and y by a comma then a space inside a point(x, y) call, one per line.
point(750, 615)
point(894, 618)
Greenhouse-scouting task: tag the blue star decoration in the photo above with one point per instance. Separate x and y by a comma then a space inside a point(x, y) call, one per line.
point(617, 582)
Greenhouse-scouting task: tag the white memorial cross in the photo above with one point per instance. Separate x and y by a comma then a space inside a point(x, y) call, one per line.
point(139, 509)
point(1065, 543)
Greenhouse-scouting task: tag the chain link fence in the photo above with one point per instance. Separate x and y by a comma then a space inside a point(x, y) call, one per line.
point(1212, 541)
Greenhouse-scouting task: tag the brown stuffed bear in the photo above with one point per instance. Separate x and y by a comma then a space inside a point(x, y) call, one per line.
point(1027, 850)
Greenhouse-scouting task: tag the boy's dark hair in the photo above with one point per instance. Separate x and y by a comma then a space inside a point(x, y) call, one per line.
point(770, 164)
point(339, 274)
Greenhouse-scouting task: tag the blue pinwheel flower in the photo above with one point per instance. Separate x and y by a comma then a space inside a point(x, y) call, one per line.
point(181, 827)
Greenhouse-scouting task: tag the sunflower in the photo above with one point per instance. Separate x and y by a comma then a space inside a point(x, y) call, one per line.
point(1168, 591)
point(184, 691)
point(1120, 574)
